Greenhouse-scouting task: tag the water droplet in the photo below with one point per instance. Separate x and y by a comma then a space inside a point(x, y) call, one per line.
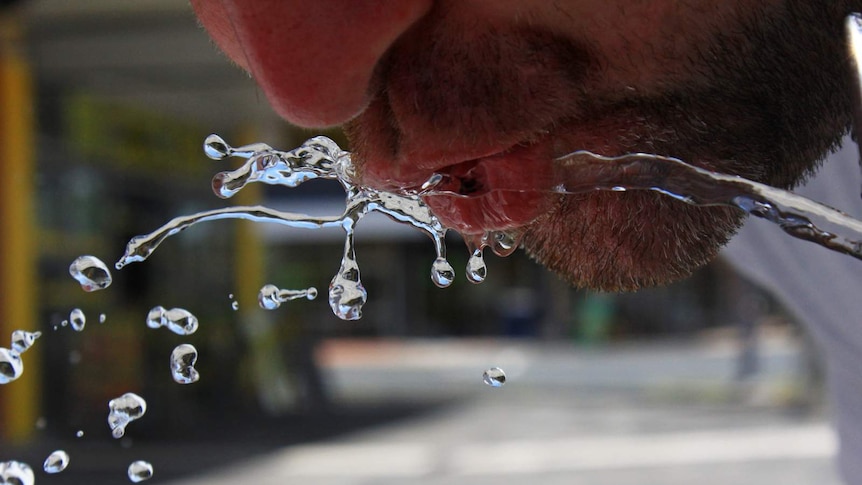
point(11, 365)
point(64, 323)
point(177, 320)
point(102, 318)
point(79, 434)
point(140, 470)
point(346, 293)
point(56, 462)
point(16, 473)
point(267, 298)
point(216, 148)
point(183, 360)
point(91, 273)
point(504, 243)
point(476, 269)
point(77, 319)
point(271, 297)
point(494, 377)
point(346, 297)
point(442, 273)
point(433, 180)
point(124, 410)
point(234, 305)
point(23, 340)
point(156, 317)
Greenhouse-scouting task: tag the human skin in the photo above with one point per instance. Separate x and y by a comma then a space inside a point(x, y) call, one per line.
point(492, 91)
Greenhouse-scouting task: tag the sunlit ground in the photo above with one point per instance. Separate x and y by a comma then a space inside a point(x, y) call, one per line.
point(417, 411)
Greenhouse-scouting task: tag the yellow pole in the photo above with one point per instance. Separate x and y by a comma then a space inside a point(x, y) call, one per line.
point(19, 400)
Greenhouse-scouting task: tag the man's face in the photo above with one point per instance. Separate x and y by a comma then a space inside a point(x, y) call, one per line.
point(492, 91)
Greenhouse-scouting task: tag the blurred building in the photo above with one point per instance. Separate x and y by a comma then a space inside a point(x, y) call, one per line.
point(122, 95)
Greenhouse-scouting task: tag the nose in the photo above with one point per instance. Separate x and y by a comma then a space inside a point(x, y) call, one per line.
point(313, 59)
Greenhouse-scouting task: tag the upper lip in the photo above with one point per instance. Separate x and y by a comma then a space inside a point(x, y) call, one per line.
point(456, 160)
point(396, 151)
point(414, 170)
point(465, 170)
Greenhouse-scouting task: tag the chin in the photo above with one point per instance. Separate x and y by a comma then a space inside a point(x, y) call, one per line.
point(625, 241)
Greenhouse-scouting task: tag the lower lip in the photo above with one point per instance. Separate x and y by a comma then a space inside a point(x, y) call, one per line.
point(513, 190)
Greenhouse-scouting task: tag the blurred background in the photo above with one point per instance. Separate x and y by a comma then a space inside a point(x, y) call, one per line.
point(103, 109)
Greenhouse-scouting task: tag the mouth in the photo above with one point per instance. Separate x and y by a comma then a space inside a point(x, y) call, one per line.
point(516, 169)
point(502, 191)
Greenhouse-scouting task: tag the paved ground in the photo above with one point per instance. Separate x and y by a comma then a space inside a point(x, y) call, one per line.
point(649, 414)
point(668, 413)
point(486, 441)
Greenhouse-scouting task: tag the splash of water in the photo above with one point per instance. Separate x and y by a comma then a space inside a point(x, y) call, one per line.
point(139, 471)
point(91, 273)
point(177, 320)
point(584, 171)
point(271, 297)
point(11, 365)
point(476, 268)
point(183, 359)
point(16, 473)
point(577, 172)
point(56, 462)
point(23, 340)
point(123, 410)
point(346, 293)
point(494, 377)
point(77, 319)
point(442, 273)
point(318, 157)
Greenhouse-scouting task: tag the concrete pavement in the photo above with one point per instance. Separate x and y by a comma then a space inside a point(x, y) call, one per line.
point(652, 413)
point(664, 413)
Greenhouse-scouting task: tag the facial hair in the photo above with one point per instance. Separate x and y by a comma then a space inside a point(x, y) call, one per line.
point(776, 99)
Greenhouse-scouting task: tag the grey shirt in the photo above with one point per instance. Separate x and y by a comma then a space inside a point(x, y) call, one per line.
point(824, 290)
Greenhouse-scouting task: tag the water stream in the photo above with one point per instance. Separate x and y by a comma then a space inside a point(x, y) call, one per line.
point(578, 172)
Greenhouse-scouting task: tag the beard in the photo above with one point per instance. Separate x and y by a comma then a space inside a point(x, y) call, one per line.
point(777, 101)
point(766, 98)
